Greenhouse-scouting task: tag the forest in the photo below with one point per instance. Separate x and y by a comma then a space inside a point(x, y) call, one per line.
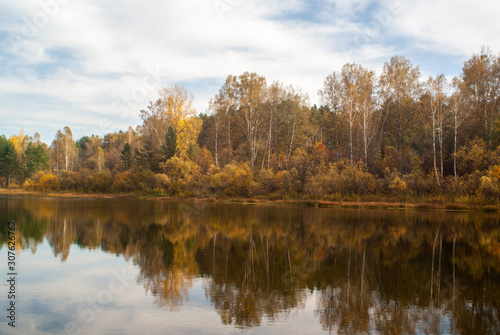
point(389, 137)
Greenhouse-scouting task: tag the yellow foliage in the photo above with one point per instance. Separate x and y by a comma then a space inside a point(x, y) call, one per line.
point(398, 185)
point(18, 141)
point(181, 175)
point(233, 180)
point(28, 184)
point(189, 129)
point(495, 173)
point(490, 184)
point(49, 182)
point(285, 181)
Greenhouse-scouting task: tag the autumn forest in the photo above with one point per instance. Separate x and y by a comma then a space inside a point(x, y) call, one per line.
point(390, 137)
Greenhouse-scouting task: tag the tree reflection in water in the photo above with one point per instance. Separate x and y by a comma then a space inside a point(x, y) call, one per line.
point(375, 271)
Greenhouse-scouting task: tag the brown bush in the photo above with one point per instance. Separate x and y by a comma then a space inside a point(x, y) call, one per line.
point(125, 181)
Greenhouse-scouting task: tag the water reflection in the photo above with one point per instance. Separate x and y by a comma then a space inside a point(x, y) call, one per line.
point(375, 271)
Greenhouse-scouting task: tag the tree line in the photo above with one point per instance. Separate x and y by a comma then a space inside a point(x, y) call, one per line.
point(390, 135)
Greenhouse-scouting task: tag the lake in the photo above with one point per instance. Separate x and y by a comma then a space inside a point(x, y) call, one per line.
point(148, 266)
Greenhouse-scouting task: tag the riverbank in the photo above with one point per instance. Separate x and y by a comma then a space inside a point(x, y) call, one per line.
point(415, 204)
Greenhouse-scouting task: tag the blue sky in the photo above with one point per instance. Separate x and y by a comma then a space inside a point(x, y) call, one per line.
point(93, 65)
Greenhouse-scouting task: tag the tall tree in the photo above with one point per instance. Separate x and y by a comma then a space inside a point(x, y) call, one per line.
point(65, 150)
point(20, 142)
point(366, 102)
point(250, 93)
point(350, 94)
point(170, 147)
point(481, 87)
point(330, 97)
point(223, 107)
point(9, 164)
point(293, 120)
point(126, 156)
point(399, 89)
point(99, 158)
point(275, 96)
point(434, 116)
point(90, 151)
point(149, 156)
point(35, 159)
point(460, 113)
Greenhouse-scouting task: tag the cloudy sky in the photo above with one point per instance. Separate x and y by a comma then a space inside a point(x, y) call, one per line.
point(93, 65)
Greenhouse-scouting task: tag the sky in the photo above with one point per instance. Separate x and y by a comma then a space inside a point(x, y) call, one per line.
point(93, 65)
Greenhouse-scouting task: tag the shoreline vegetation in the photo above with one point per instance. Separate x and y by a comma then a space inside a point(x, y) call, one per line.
point(393, 140)
point(389, 204)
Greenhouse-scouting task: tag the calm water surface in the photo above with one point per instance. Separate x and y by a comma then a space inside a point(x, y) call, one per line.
point(115, 266)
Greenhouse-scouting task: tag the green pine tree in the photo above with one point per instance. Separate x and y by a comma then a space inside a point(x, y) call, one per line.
point(9, 164)
point(126, 156)
point(149, 157)
point(170, 147)
point(34, 159)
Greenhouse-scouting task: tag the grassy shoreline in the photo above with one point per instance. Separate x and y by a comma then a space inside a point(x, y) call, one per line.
point(368, 204)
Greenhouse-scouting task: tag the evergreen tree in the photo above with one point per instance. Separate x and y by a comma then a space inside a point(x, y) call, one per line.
point(170, 147)
point(192, 152)
point(9, 165)
point(148, 157)
point(35, 159)
point(126, 156)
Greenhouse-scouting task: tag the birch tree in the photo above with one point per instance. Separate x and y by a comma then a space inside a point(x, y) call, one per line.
point(350, 95)
point(275, 97)
point(330, 97)
point(480, 85)
point(433, 116)
point(64, 149)
point(294, 112)
point(460, 113)
point(400, 89)
point(366, 105)
point(225, 105)
point(251, 90)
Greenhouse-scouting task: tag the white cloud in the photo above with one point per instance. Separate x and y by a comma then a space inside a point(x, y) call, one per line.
point(450, 27)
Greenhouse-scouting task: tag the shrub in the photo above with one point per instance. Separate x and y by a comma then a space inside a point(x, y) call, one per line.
point(326, 181)
point(146, 181)
point(204, 160)
point(264, 182)
point(473, 182)
point(70, 180)
point(124, 182)
point(49, 182)
point(353, 180)
point(28, 184)
point(184, 175)
point(99, 182)
point(398, 185)
point(489, 184)
point(473, 157)
point(287, 182)
point(162, 182)
point(233, 180)
point(419, 183)
point(454, 186)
